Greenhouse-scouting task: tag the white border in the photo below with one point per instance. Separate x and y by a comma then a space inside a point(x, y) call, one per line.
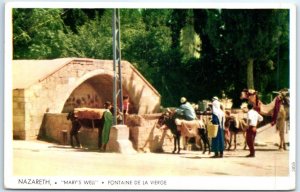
point(174, 183)
point(8, 156)
point(146, 4)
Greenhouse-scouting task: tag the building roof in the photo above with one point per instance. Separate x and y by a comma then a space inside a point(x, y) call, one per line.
point(28, 72)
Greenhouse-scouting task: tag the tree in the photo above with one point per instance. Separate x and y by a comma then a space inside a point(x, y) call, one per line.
point(39, 34)
point(75, 18)
point(164, 45)
point(94, 38)
point(209, 69)
point(235, 39)
point(189, 40)
point(147, 40)
point(253, 36)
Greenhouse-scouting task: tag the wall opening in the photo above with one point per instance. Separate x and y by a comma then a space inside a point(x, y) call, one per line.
point(93, 93)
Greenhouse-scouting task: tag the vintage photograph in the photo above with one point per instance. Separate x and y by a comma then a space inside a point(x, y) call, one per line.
point(163, 97)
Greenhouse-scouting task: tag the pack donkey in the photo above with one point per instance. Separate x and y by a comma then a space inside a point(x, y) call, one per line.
point(235, 125)
point(186, 129)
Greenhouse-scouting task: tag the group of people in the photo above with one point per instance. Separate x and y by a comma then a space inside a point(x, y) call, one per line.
point(218, 118)
point(104, 128)
point(185, 109)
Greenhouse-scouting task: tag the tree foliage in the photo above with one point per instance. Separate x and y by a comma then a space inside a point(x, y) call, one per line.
point(256, 34)
point(39, 34)
point(196, 53)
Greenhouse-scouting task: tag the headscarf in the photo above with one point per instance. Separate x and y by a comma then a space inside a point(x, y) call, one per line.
point(216, 109)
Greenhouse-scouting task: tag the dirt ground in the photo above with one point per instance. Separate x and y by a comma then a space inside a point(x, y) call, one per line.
point(63, 167)
point(48, 159)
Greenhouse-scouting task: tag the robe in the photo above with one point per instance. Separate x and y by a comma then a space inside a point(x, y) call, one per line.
point(108, 121)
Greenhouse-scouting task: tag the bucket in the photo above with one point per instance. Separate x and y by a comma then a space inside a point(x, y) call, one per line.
point(212, 130)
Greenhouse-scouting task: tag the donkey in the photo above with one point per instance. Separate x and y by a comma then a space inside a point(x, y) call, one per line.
point(171, 120)
point(235, 126)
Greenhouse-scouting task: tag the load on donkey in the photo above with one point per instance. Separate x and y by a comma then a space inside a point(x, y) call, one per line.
point(182, 128)
point(235, 124)
point(278, 109)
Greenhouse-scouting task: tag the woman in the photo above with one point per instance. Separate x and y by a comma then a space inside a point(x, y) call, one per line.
point(217, 145)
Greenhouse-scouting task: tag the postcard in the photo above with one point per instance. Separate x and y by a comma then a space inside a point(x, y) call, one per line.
point(150, 96)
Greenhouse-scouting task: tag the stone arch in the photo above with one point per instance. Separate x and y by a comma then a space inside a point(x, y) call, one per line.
point(93, 78)
point(75, 83)
point(48, 87)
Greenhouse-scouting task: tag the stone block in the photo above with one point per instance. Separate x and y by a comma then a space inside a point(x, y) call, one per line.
point(15, 106)
point(19, 106)
point(18, 99)
point(19, 135)
point(18, 126)
point(119, 140)
point(18, 92)
point(18, 118)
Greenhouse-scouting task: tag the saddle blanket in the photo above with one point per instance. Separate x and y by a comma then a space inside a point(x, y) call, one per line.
point(189, 128)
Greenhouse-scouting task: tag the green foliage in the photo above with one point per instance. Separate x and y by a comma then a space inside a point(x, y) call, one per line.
point(146, 42)
point(257, 35)
point(189, 40)
point(164, 45)
point(231, 37)
point(94, 38)
point(74, 18)
point(38, 34)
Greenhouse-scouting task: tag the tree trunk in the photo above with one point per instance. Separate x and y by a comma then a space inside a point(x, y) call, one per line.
point(250, 80)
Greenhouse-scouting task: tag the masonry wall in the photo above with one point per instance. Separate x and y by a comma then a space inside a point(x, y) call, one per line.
point(145, 137)
point(19, 114)
point(56, 128)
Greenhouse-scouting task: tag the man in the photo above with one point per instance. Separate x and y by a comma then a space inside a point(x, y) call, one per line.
point(253, 118)
point(186, 109)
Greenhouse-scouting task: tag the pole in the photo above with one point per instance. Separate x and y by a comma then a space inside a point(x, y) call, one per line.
point(117, 82)
point(114, 68)
point(119, 65)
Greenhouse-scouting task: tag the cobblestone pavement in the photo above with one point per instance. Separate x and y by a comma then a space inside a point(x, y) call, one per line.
point(38, 158)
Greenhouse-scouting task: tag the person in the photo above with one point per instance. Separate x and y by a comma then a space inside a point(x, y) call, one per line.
point(186, 109)
point(107, 121)
point(125, 107)
point(253, 117)
point(108, 106)
point(218, 118)
point(74, 129)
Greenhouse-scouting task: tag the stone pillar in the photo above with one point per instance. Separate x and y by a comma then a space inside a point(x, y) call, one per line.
point(119, 140)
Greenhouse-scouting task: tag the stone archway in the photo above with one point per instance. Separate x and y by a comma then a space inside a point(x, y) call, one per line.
point(53, 83)
point(92, 93)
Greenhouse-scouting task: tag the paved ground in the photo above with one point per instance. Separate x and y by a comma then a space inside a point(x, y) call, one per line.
point(37, 158)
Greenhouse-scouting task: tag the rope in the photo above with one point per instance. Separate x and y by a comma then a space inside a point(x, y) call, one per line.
point(262, 129)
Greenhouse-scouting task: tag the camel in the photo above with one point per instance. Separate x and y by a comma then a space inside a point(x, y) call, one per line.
point(278, 109)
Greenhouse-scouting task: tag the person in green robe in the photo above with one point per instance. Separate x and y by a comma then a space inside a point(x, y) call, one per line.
point(108, 121)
